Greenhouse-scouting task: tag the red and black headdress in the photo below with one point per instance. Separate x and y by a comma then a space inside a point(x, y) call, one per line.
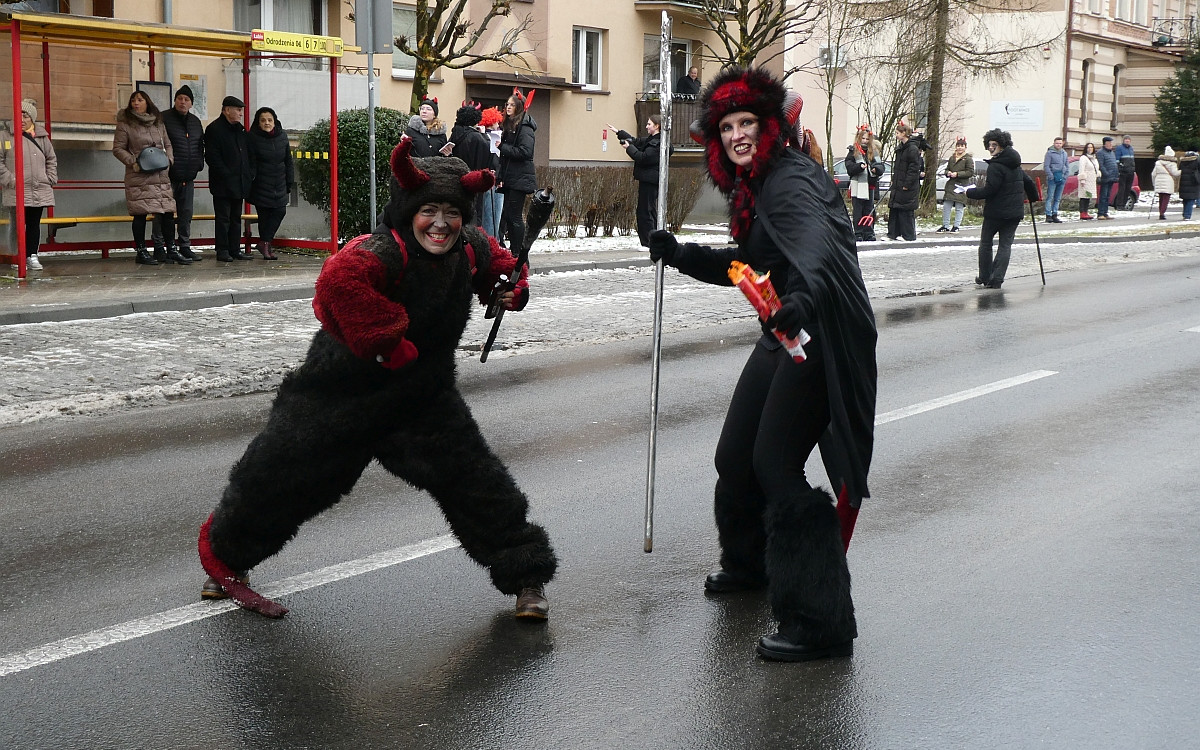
point(439, 179)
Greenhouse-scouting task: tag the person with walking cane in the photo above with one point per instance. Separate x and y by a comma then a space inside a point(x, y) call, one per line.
point(777, 531)
point(1004, 192)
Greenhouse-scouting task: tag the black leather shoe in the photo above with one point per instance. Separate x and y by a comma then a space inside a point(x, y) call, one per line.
point(532, 604)
point(725, 582)
point(778, 648)
point(993, 284)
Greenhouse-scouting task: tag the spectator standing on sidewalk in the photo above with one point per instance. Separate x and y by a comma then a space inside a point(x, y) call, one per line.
point(187, 141)
point(1089, 171)
point(960, 170)
point(517, 176)
point(1055, 167)
point(644, 151)
point(230, 172)
point(493, 200)
point(40, 165)
point(1189, 182)
point(1126, 168)
point(906, 186)
point(427, 131)
point(139, 127)
point(864, 168)
point(274, 176)
point(472, 147)
point(1107, 159)
point(1165, 175)
point(1004, 192)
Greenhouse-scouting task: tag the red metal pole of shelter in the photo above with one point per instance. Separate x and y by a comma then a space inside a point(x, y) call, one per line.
point(46, 101)
point(333, 158)
point(152, 78)
point(18, 150)
point(246, 124)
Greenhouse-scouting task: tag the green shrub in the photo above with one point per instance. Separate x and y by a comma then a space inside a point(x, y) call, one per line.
point(354, 182)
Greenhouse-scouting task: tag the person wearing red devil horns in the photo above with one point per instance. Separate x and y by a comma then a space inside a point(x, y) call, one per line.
point(517, 176)
point(787, 217)
point(864, 168)
point(378, 383)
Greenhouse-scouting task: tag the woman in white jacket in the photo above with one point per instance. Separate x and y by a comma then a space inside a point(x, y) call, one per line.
point(1089, 171)
point(1166, 172)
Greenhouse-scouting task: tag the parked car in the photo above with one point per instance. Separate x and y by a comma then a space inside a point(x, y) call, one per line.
point(980, 171)
point(842, 177)
point(1072, 185)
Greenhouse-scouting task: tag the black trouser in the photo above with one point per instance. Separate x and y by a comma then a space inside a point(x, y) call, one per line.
point(159, 229)
point(228, 213)
point(992, 270)
point(1124, 190)
point(647, 211)
point(33, 229)
point(269, 220)
point(902, 223)
point(513, 219)
point(863, 207)
point(181, 228)
point(288, 476)
point(770, 521)
point(1083, 205)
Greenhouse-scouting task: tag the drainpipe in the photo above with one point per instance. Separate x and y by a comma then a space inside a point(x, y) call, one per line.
point(1066, 70)
point(168, 16)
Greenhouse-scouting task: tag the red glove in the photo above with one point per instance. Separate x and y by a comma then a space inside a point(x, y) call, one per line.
point(405, 353)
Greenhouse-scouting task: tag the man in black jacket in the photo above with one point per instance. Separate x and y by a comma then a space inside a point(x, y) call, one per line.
point(230, 172)
point(187, 141)
point(472, 147)
point(644, 152)
point(1004, 193)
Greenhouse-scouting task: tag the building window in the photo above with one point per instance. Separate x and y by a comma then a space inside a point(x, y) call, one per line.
point(681, 60)
point(1139, 13)
point(1094, 6)
point(1123, 9)
point(921, 108)
point(1116, 83)
point(1085, 87)
point(585, 57)
point(404, 23)
point(296, 16)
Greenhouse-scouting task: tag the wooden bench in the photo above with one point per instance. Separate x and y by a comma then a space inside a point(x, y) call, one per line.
point(55, 223)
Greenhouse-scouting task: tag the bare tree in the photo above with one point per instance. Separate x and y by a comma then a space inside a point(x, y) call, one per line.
point(746, 29)
point(446, 38)
point(841, 28)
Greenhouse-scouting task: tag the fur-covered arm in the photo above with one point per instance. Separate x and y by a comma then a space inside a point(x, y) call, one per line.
point(499, 262)
point(352, 307)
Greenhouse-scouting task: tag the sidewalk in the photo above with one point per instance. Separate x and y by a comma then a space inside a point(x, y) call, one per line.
point(83, 285)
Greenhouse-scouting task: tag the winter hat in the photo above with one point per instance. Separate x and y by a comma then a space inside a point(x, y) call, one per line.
point(468, 115)
point(29, 107)
point(1107, 139)
point(416, 182)
point(186, 91)
point(431, 102)
point(231, 101)
point(960, 141)
point(1168, 153)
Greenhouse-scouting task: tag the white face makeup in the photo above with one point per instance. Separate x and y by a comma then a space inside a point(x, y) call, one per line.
point(739, 136)
point(437, 226)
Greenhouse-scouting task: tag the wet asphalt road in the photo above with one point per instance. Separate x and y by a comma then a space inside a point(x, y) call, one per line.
point(1025, 574)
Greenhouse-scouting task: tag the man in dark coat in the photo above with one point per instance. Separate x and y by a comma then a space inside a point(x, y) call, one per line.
point(788, 218)
point(187, 140)
point(1106, 157)
point(1004, 193)
point(230, 172)
point(689, 85)
point(472, 147)
point(906, 186)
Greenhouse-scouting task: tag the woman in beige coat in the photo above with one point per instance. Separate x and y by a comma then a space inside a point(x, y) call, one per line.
point(1089, 171)
point(140, 126)
point(40, 165)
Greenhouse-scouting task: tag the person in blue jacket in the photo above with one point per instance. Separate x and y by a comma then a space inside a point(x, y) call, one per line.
point(1109, 174)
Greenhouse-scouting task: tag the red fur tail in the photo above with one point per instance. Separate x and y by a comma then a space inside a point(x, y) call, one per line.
point(242, 595)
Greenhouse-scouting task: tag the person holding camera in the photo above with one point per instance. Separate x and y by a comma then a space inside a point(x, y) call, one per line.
point(645, 154)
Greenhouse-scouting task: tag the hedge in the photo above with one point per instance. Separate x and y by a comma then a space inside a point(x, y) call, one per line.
point(602, 201)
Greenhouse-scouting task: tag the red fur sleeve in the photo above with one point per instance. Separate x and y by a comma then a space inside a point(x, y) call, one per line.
point(350, 303)
point(502, 264)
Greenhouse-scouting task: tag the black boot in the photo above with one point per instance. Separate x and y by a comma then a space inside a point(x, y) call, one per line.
point(186, 252)
point(174, 256)
point(142, 257)
point(809, 580)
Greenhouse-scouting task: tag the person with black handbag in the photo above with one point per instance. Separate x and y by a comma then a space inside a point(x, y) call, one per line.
point(140, 142)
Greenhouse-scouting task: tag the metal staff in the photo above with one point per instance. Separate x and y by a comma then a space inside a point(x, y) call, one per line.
point(664, 158)
point(1036, 242)
point(535, 221)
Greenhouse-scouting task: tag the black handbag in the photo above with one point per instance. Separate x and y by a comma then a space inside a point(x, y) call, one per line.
point(153, 159)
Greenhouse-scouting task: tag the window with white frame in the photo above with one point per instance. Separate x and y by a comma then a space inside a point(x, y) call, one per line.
point(296, 16)
point(1124, 9)
point(1095, 6)
point(1139, 13)
point(404, 23)
point(586, 47)
point(681, 60)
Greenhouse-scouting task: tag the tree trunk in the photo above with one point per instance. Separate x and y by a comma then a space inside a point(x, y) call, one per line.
point(937, 77)
point(420, 88)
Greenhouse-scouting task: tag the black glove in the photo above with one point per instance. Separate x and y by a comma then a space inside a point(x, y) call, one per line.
point(788, 319)
point(663, 246)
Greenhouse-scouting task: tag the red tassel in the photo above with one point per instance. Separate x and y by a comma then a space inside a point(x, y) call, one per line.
point(241, 594)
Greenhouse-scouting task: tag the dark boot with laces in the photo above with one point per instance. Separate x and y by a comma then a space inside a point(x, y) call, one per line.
point(532, 604)
point(212, 590)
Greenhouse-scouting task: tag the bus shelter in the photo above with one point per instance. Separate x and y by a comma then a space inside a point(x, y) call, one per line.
point(56, 31)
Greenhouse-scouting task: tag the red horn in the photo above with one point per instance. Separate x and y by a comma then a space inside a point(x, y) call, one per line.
point(479, 181)
point(407, 174)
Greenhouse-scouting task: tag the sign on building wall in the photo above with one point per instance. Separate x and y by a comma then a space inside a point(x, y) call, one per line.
point(199, 86)
point(1016, 115)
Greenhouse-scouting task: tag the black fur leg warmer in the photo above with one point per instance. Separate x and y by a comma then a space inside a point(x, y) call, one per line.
point(741, 531)
point(806, 564)
point(527, 561)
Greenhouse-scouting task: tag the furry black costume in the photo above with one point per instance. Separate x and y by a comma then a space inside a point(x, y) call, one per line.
point(379, 383)
point(774, 528)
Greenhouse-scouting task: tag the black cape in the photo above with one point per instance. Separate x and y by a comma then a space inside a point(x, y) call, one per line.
point(803, 236)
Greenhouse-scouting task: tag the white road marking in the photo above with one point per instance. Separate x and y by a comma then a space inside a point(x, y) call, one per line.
point(1192, 330)
point(955, 398)
point(127, 631)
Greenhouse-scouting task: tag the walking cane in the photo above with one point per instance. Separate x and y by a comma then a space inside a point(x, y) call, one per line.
point(664, 157)
point(1036, 242)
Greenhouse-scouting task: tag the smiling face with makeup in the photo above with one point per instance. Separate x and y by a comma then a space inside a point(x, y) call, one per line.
point(739, 137)
point(437, 226)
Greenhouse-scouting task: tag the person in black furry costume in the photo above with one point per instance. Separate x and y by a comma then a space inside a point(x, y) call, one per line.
point(788, 219)
point(379, 383)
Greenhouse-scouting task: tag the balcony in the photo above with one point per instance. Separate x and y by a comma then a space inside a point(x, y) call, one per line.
point(684, 109)
point(1172, 32)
